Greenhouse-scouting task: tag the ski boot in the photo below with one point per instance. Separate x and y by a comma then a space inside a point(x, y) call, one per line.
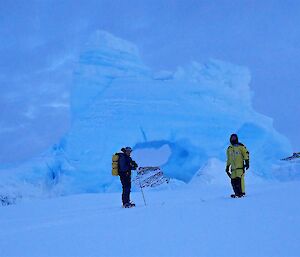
point(128, 205)
point(237, 196)
point(132, 204)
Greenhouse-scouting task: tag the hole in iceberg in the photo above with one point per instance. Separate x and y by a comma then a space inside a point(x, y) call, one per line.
point(180, 159)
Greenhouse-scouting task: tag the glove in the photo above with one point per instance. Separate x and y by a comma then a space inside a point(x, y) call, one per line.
point(246, 166)
point(134, 165)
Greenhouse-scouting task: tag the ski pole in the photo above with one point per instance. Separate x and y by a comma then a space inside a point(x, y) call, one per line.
point(142, 191)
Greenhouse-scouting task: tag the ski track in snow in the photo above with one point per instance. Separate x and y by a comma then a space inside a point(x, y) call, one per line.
point(193, 220)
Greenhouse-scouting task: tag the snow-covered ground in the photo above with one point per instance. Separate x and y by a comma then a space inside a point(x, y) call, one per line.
point(191, 220)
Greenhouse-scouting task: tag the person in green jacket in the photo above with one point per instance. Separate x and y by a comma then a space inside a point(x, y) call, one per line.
point(237, 162)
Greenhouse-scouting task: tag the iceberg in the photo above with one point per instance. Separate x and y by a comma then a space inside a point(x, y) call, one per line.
point(187, 115)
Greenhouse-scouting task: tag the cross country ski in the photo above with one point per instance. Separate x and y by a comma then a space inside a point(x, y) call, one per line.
point(295, 156)
point(150, 177)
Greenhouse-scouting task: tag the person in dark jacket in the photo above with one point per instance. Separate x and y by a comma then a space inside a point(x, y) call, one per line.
point(126, 164)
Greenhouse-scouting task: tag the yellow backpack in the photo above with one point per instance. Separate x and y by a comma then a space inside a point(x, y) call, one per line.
point(115, 165)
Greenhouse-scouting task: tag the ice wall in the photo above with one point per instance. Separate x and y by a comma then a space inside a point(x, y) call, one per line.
point(118, 101)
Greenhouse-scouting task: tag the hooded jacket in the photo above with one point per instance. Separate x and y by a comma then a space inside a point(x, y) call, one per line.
point(126, 164)
point(236, 155)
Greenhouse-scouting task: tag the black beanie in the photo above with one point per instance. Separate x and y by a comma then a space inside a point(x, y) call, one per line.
point(234, 139)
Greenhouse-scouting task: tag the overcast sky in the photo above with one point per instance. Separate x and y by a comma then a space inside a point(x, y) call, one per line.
point(38, 36)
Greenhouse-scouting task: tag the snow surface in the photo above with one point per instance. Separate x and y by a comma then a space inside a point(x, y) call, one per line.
point(193, 220)
point(185, 116)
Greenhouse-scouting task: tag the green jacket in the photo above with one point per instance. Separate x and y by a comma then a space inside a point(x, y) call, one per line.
point(236, 155)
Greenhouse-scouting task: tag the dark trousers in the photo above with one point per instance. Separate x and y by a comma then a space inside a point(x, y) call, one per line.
point(126, 185)
point(237, 186)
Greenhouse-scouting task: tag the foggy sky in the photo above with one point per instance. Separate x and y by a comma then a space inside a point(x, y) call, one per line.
point(40, 41)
